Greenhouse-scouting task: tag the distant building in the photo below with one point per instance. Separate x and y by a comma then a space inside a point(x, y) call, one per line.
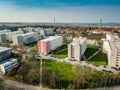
point(51, 43)
point(8, 64)
point(112, 37)
point(2, 38)
point(5, 53)
point(77, 48)
point(5, 31)
point(111, 46)
point(47, 32)
point(25, 38)
point(3, 35)
point(26, 29)
point(100, 32)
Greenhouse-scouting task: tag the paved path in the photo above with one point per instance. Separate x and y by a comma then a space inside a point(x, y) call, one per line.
point(93, 55)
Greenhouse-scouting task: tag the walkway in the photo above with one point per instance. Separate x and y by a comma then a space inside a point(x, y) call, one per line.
point(93, 55)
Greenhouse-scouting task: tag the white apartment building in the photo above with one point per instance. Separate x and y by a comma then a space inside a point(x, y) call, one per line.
point(5, 31)
point(77, 48)
point(25, 38)
point(111, 46)
point(5, 53)
point(112, 37)
point(10, 34)
point(51, 43)
point(8, 64)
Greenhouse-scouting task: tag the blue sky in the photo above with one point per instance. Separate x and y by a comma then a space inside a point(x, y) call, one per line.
point(62, 10)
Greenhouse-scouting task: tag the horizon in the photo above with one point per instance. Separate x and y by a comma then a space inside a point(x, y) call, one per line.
point(64, 11)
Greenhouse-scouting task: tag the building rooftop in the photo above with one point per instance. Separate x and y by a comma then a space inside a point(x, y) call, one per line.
point(8, 61)
point(50, 38)
point(115, 45)
point(4, 49)
point(25, 34)
point(79, 40)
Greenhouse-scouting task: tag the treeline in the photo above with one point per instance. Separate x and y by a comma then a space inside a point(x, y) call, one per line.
point(60, 75)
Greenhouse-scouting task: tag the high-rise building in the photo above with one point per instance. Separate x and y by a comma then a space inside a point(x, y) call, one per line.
point(111, 46)
point(77, 48)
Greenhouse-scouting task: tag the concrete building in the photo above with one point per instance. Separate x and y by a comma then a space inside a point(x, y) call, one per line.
point(51, 43)
point(5, 53)
point(8, 64)
point(112, 37)
point(10, 34)
point(5, 31)
point(47, 32)
point(25, 38)
point(2, 38)
point(77, 48)
point(112, 48)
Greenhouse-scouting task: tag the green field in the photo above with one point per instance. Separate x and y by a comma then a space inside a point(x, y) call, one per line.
point(34, 48)
point(90, 51)
point(99, 59)
point(58, 53)
point(63, 70)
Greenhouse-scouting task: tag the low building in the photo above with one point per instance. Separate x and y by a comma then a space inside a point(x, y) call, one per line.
point(100, 32)
point(77, 48)
point(47, 32)
point(51, 43)
point(8, 64)
point(25, 38)
point(5, 53)
point(10, 34)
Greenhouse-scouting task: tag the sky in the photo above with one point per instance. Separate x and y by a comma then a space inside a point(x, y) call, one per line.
point(78, 11)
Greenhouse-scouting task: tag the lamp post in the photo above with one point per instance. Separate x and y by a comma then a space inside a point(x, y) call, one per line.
point(40, 56)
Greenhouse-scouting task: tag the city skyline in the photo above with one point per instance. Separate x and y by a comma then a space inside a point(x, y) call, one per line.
point(63, 10)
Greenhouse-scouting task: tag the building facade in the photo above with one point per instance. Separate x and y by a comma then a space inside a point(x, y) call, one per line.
point(111, 47)
point(25, 38)
point(8, 64)
point(77, 48)
point(51, 43)
point(10, 34)
point(5, 53)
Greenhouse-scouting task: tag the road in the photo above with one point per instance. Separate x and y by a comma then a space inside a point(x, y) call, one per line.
point(82, 64)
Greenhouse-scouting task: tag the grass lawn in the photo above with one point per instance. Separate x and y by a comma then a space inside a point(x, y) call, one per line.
point(64, 46)
point(62, 54)
point(90, 51)
point(64, 71)
point(34, 49)
point(99, 59)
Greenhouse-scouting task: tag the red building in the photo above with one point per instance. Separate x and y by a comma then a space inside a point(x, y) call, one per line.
point(44, 46)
